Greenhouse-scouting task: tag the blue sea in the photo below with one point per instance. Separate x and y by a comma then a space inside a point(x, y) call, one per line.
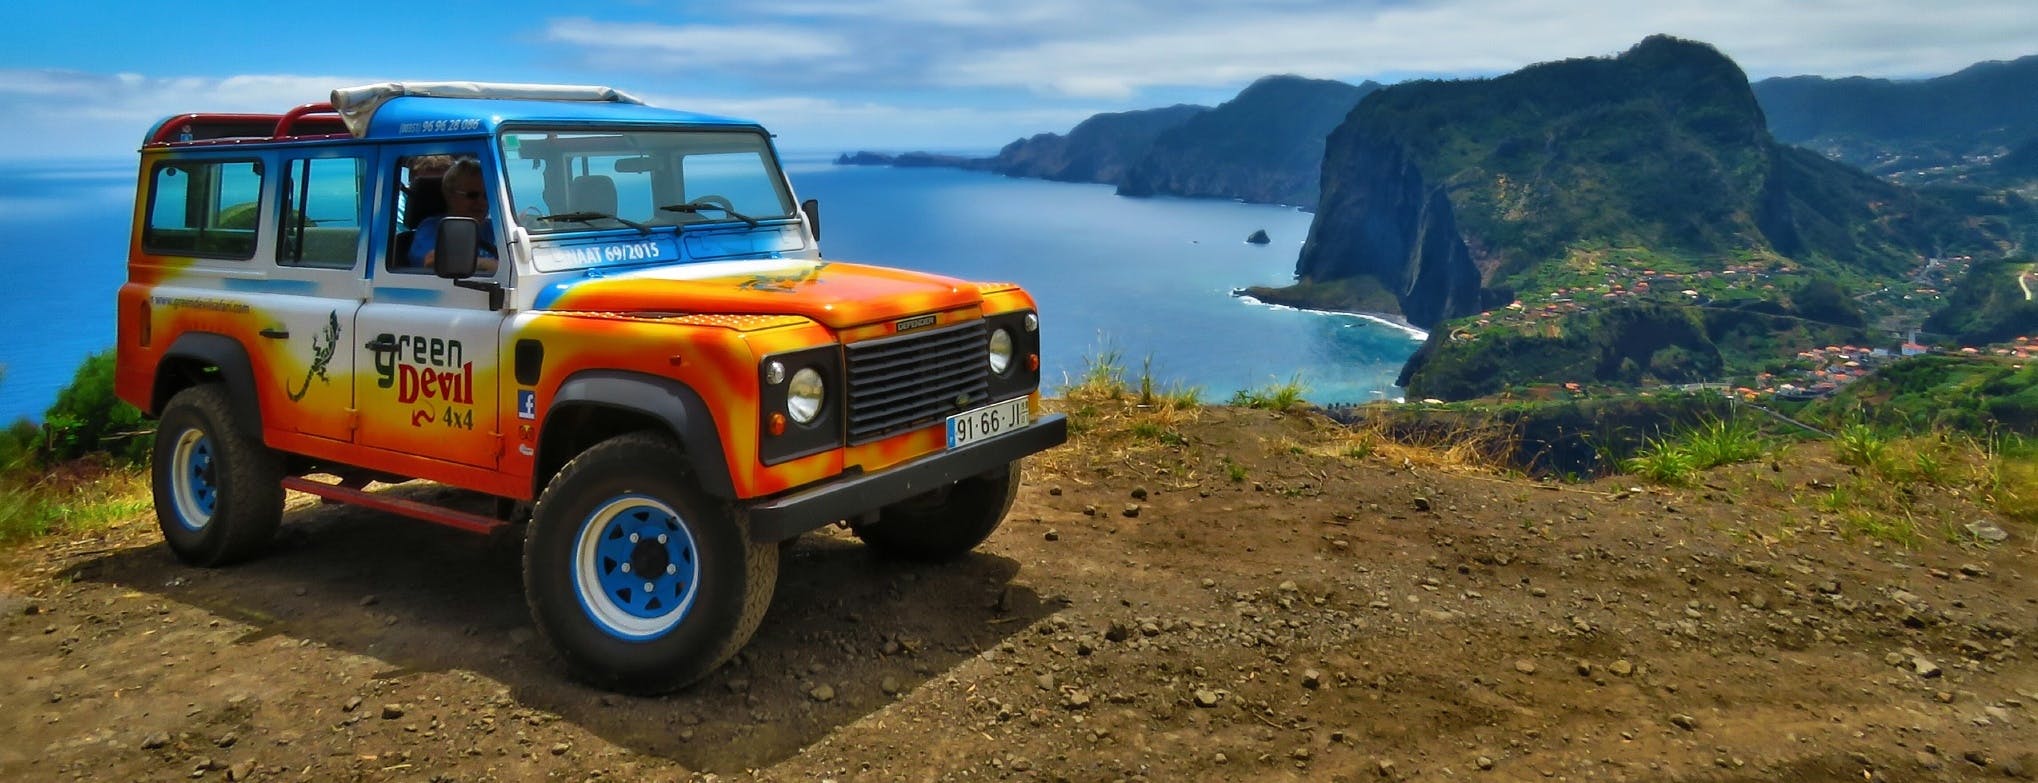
point(1147, 280)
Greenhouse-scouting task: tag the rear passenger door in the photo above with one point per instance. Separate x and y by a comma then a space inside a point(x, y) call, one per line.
point(315, 289)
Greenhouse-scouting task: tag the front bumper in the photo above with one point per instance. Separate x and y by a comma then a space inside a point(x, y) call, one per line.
point(790, 515)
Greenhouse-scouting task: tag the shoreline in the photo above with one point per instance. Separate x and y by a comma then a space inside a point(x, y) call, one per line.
point(1384, 319)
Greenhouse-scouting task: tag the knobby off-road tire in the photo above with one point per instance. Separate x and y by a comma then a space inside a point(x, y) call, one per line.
point(945, 523)
point(218, 490)
point(642, 582)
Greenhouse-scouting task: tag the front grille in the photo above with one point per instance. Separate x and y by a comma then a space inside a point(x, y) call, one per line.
point(899, 383)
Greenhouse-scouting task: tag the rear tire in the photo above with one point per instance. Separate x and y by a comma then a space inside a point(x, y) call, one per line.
point(218, 490)
point(641, 581)
point(946, 523)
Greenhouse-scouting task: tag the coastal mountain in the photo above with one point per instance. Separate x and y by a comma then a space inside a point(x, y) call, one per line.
point(1099, 149)
point(1265, 145)
point(1891, 127)
point(1458, 197)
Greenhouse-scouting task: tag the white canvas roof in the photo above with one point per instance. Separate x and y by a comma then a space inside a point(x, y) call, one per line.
point(356, 105)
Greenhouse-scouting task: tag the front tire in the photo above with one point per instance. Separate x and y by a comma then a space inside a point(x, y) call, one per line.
point(218, 490)
point(946, 523)
point(639, 580)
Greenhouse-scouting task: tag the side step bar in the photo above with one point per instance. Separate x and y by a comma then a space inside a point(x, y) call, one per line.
point(437, 515)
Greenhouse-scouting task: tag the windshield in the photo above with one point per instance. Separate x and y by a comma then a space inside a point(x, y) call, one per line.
point(562, 181)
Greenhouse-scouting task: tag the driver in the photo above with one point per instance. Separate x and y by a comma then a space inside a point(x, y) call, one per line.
point(465, 197)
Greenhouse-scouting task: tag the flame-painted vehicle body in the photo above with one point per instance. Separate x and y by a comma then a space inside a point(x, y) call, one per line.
point(659, 366)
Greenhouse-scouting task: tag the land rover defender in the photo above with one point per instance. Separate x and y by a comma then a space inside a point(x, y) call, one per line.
point(626, 334)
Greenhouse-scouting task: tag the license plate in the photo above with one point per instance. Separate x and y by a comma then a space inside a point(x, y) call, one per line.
point(989, 421)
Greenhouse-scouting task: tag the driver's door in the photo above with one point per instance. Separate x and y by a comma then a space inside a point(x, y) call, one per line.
point(427, 353)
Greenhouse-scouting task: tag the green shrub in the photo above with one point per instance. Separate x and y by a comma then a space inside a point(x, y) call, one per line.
point(1717, 442)
point(1861, 446)
point(1281, 397)
point(88, 419)
point(1664, 462)
point(20, 444)
point(1102, 377)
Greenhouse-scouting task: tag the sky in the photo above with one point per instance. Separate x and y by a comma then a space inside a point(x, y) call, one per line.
point(88, 79)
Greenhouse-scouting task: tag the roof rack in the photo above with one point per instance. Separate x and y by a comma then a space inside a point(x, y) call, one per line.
point(309, 121)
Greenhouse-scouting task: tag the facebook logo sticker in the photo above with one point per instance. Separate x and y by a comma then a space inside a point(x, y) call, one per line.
point(527, 404)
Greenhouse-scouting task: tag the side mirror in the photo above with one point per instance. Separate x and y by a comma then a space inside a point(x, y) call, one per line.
point(458, 245)
point(812, 209)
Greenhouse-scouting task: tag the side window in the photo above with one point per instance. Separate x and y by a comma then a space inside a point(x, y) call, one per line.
point(321, 213)
point(204, 208)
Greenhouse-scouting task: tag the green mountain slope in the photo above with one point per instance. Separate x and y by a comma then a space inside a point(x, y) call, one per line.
point(1568, 182)
point(1098, 149)
point(1265, 145)
point(1885, 125)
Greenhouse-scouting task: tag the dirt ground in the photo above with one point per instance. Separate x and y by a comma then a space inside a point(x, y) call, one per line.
point(1244, 597)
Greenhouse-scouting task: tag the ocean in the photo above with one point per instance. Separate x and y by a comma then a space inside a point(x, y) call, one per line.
point(1145, 280)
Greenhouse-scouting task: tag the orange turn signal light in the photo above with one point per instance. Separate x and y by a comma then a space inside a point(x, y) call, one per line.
point(1033, 362)
point(777, 424)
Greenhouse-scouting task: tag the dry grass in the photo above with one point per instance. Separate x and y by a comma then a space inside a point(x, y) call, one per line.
point(78, 497)
point(1461, 446)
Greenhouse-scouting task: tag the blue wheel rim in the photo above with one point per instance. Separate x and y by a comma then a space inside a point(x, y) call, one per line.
point(635, 567)
point(193, 481)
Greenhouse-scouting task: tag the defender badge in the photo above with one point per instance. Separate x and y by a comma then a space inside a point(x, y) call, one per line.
point(909, 324)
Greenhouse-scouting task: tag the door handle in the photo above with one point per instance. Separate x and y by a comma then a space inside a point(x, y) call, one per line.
point(380, 344)
point(274, 333)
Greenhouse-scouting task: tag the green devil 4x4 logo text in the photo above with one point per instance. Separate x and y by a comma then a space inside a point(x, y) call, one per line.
point(425, 368)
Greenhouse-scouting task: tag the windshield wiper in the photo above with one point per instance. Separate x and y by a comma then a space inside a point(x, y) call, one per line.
point(590, 217)
point(694, 207)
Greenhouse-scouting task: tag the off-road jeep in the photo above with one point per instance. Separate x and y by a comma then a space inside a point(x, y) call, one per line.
point(639, 349)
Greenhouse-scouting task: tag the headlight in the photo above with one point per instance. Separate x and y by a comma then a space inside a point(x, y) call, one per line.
point(804, 396)
point(1001, 351)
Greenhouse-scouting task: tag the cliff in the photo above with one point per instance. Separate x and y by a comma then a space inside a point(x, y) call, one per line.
point(1265, 145)
point(1459, 196)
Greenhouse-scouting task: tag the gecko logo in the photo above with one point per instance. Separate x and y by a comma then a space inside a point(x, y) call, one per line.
point(322, 345)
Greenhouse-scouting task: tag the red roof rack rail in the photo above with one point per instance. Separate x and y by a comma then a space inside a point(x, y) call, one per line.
point(311, 120)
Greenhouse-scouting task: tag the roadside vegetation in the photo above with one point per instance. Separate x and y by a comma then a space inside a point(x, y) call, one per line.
point(1900, 448)
point(83, 469)
point(1883, 478)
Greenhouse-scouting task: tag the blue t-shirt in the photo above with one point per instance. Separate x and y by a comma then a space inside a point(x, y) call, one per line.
point(426, 240)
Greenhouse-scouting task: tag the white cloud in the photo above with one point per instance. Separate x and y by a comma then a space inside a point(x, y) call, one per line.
point(815, 124)
point(1115, 49)
point(1476, 37)
point(54, 113)
point(695, 46)
point(974, 73)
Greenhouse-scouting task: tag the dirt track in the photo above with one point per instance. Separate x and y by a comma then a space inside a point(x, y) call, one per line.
point(1324, 617)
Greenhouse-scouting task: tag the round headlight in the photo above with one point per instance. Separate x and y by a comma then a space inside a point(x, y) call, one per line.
point(804, 395)
point(1001, 351)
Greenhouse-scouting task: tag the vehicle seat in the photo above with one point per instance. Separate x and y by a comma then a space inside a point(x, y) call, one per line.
point(425, 198)
point(399, 256)
point(593, 193)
